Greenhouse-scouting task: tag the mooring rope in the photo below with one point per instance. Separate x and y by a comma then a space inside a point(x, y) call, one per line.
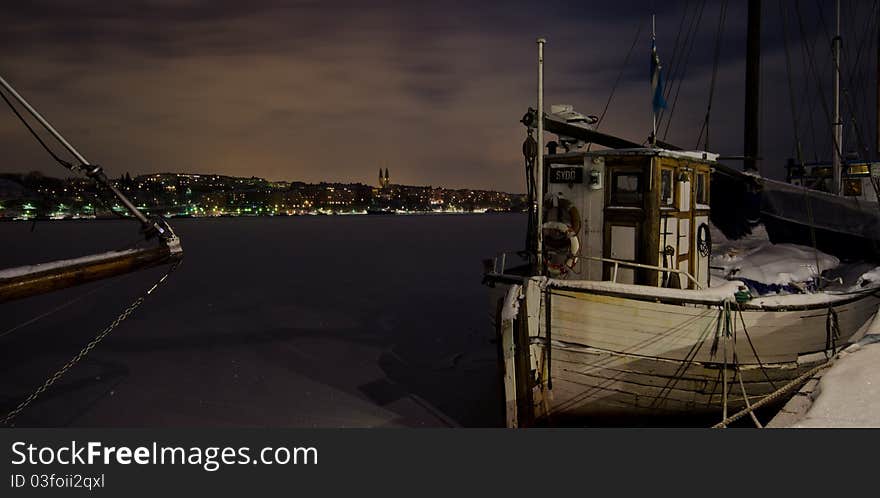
point(772, 396)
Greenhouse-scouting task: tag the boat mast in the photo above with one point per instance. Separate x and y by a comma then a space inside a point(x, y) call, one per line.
point(837, 124)
point(753, 82)
point(653, 111)
point(539, 164)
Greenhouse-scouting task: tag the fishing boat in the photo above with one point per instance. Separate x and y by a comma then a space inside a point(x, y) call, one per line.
point(615, 313)
point(160, 245)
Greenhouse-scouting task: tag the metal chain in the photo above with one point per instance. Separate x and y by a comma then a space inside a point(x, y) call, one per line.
point(85, 350)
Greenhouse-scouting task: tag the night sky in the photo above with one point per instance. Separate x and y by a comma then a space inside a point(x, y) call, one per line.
point(331, 91)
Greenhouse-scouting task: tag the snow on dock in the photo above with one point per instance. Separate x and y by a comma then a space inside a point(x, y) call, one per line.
point(845, 395)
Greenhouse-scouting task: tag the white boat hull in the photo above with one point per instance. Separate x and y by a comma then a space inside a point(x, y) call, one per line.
point(615, 354)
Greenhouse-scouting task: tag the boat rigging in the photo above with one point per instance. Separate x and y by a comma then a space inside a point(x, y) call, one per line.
point(22, 282)
point(17, 283)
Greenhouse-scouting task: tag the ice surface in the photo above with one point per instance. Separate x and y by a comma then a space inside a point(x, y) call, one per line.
point(331, 321)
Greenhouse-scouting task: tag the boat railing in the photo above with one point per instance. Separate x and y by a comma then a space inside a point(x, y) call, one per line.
point(618, 263)
point(502, 259)
point(499, 266)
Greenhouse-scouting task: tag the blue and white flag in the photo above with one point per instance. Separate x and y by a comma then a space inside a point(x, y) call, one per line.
point(658, 101)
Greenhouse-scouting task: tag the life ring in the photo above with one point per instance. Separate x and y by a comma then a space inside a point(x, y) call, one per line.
point(561, 235)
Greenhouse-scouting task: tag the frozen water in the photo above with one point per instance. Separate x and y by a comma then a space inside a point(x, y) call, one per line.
point(290, 321)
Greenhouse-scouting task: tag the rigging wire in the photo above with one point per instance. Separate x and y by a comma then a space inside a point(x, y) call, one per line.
point(809, 98)
point(681, 54)
point(673, 60)
point(721, 18)
point(619, 76)
point(798, 151)
point(810, 53)
point(857, 84)
point(36, 135)
point(684, 68)
point(847, 101)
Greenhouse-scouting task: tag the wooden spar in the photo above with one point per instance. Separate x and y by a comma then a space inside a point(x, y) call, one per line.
point(17, 283)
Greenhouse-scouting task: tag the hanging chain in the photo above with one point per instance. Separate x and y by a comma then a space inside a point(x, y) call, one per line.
point(7, 420)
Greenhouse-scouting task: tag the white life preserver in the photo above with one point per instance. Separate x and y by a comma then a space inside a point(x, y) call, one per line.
point(556, 208)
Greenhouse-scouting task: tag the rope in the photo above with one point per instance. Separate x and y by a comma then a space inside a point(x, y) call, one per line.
point(7, 420)
point(752, 346)
point(619, 76)
point(686, 363)
point(738, 374)
point(721, 17)
point(690, 48)
point(846, 99)
point(832, 330)
point(53, 310)
point(36, 135)
point(746, 399)
point(772, 396)
point(795, 124)
point(675, 46)
point(530, 153)
point(825, 109)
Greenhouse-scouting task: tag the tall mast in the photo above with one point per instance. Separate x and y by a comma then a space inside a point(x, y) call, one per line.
point(539, 164)
point(753, 88)
point(836, 125)
point(653, 111)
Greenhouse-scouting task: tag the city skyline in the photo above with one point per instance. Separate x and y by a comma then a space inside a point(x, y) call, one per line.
point(35, 196)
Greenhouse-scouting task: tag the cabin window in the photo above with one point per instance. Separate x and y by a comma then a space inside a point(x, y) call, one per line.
point(626, 189)
point(702, 190)
point(666, 190)
point(852, 187)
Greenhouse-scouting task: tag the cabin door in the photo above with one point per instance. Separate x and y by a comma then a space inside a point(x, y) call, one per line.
point(623, 248)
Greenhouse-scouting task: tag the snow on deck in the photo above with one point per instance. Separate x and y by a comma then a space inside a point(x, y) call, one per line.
point(786, 270)
point(21, 271)
point(756, 258)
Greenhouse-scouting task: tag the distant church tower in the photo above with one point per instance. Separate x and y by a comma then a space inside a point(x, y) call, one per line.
point(384, 181)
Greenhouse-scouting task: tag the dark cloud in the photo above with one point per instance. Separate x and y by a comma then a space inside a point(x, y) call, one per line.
point(331, 90)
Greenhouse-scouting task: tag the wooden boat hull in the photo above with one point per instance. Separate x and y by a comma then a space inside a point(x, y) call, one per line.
point(613, 355)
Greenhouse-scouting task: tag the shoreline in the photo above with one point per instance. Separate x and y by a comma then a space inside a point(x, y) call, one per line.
point(303, 215)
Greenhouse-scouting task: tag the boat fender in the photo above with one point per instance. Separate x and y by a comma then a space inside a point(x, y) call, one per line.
point(704, 240)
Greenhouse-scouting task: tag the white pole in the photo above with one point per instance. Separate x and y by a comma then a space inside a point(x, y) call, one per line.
point(653, 113)
point(539, 164)
point(837, 125)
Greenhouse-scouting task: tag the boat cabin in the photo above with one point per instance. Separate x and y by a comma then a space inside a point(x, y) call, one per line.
point(644, 214)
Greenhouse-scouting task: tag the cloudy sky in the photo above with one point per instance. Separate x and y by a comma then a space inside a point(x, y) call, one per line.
point(323, 90)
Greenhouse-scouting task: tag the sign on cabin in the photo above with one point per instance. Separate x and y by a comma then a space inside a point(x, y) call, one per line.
point(566, 174)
